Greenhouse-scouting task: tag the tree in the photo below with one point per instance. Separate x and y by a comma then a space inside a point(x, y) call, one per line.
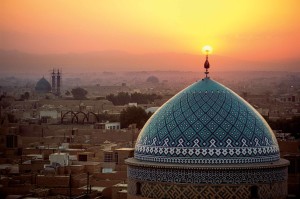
point(4, 102)
point(25, 96)
point(79, 93)
point(133, 115)
point(67, 93)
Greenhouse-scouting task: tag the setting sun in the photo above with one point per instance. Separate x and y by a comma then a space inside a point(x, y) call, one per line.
point(207, 49)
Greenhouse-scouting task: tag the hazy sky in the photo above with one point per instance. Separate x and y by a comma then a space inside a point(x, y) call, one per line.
point(252, 30)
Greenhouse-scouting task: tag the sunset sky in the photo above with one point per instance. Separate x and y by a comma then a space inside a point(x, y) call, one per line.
point(258, 30)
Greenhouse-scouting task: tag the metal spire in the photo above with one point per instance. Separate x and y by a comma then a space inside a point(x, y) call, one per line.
point(206, 64)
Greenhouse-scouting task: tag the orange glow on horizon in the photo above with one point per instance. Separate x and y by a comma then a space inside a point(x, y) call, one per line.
point(259, 30)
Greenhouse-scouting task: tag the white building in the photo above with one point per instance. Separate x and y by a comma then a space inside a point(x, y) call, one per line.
point(113, 125)
point(108, 125)
point(49, 113)
point(151, 109)
point(59, 158)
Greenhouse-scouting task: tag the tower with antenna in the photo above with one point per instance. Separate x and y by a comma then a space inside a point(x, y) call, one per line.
point(56, 81)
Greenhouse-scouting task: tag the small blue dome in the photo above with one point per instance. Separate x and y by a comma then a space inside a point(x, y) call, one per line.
point(207, 123)
point(43, 86)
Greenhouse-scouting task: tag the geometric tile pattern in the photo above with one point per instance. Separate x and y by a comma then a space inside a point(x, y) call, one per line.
point(208, 176)
point(179, 191)
point(209, 156)
point(206, 123)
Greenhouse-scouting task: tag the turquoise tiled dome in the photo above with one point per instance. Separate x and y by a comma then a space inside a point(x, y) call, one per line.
point(207, 123)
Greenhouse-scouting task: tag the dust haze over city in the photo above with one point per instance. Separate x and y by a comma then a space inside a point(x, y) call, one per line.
point(118, 99)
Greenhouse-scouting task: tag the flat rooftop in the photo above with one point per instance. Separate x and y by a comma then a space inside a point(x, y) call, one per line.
point(125, 149)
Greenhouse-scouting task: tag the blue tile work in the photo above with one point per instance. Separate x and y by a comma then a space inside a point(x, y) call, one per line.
point(207, 123)
point(206, 176)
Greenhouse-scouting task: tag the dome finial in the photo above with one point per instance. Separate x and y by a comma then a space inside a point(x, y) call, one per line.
point(206, 50)
point(206, 66)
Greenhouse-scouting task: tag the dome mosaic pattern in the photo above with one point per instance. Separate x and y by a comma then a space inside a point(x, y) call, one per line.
point(207, 123)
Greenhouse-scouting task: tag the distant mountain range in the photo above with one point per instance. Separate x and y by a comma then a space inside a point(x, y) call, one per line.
point(16, 61)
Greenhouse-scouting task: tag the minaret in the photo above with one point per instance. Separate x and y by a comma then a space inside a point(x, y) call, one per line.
point(58, 83)
point(53, 82)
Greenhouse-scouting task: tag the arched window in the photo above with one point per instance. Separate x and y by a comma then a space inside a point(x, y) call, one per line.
point(138, 188)
point(254, 192)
